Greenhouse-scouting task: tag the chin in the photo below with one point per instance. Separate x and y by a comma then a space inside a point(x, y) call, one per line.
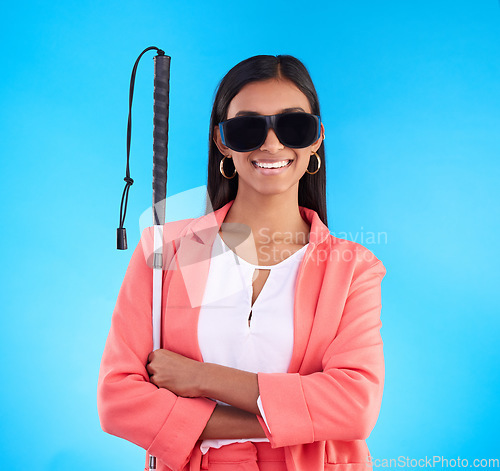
point(275, 190)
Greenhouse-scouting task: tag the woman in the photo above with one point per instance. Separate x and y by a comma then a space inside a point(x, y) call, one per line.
point(272, 357)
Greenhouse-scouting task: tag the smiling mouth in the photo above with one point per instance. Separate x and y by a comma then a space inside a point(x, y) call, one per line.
point(268, 165)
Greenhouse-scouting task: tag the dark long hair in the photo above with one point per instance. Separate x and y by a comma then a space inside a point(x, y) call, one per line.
point(312, 188)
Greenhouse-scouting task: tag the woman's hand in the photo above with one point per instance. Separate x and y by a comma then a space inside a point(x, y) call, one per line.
point(190, 378)
point(177, 373)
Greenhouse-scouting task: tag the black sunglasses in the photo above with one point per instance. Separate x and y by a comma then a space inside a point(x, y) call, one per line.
point(246, 133)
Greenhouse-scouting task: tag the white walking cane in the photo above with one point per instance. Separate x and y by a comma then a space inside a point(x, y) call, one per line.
point(160, 142)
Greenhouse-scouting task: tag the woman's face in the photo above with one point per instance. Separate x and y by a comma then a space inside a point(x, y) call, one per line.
point(269, 97)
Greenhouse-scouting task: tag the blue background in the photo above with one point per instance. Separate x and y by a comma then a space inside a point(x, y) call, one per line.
point(410, 101)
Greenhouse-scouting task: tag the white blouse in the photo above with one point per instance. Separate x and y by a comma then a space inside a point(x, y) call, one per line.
point(224, 334)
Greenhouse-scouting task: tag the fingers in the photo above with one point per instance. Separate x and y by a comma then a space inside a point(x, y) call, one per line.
point(150, 368)
point(151, 355)
point(152, 381)
point(160, 358)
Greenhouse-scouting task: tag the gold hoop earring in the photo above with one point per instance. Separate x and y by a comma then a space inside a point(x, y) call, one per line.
point(319, 164)
point(222, 169)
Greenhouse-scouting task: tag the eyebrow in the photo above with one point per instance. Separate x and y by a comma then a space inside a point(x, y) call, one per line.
point(254, 113)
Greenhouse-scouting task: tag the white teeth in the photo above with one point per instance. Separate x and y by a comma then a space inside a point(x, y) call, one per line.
point(283, 163)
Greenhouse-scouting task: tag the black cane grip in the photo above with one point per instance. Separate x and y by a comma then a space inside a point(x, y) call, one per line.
point(160, 135)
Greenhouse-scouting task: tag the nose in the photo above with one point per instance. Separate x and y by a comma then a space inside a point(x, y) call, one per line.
point(272, 144)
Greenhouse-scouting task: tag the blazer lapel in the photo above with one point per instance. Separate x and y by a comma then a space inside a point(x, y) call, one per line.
point(307, 287)
point(185, 284)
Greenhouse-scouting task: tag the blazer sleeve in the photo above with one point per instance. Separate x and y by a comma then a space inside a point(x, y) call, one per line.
point(341, 402)
point(129, 405)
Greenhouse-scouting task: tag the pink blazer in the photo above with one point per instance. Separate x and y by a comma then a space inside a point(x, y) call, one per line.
point(321, 411)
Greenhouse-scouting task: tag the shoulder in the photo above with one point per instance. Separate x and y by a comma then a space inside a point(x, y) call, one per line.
point(171, 233)
point(171, 230)
point(348, 256)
